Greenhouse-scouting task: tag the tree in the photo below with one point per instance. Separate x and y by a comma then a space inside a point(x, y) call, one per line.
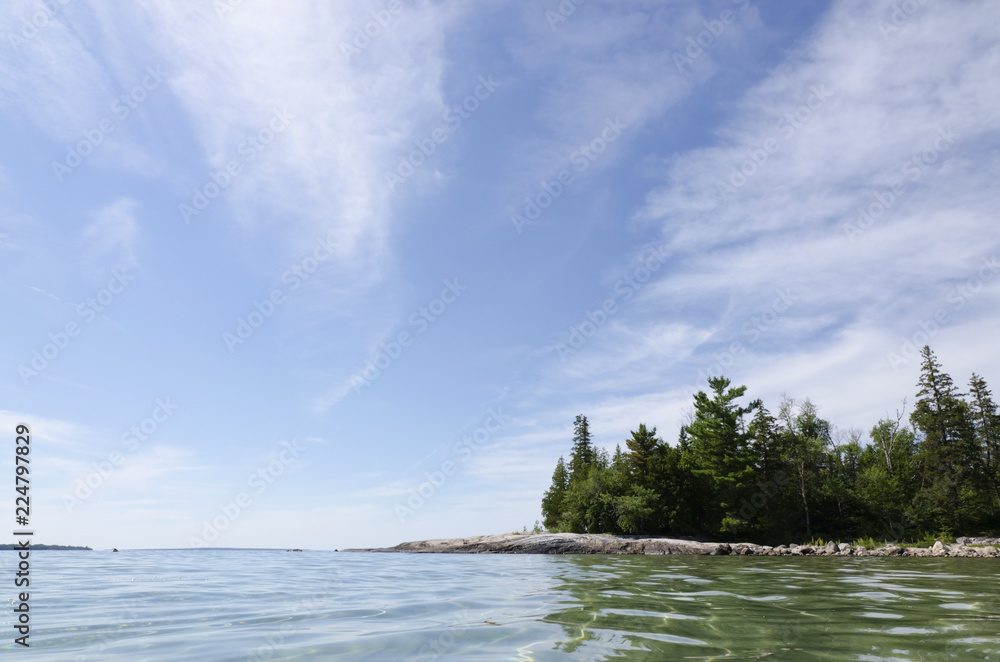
point(739, 471)
point(806, 437)
point(555, 496)
point(986, 427)
point(888, 476)
point(886, 436)
point(635, 509)
point(947, 455)
point(583, 455)
point(715, 446)
point(643, 448)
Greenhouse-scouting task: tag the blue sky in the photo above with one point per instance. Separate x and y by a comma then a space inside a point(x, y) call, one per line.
point(292, 284)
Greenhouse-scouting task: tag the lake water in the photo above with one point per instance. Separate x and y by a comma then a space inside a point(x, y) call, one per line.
point(274, 605)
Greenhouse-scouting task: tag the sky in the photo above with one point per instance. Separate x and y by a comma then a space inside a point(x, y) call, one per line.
point(342, 274)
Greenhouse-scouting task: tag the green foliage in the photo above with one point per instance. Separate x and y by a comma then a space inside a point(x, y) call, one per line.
point(553, 503)
point(868, 543)
point(643, 448)
point(986, 428)
point(737, 472)
point(634, 510)
point(949, 458)
point(717, 451)
point(928, 539)
point(583, 455)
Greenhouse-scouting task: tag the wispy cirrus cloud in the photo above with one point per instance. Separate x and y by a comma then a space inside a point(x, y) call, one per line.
point(846, 116)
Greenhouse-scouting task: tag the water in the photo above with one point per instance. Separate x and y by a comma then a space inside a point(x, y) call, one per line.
point(273, 605)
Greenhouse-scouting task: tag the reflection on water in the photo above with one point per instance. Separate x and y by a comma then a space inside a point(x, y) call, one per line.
point(269, 605)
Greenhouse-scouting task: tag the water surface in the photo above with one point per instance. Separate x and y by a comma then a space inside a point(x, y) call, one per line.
point(275, 605)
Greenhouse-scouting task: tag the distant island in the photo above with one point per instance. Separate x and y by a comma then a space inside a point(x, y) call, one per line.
point(35, 546)
point(738, 473)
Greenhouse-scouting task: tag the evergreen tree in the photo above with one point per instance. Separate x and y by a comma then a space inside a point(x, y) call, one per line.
point(555, 496)
point(716, 452)
point(583, 455)
point(643, 448)
point(779, 478)
point(635, 510)
point(986, 427)
point(947, 453)
point(765, 448)
point(633, 505)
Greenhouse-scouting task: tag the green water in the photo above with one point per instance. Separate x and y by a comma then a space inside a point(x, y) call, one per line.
point(713, 608)
point(251, 606)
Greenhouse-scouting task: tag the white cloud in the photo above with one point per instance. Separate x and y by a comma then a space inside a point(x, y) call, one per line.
point(324, 172)
point(784, 229)
point(52, 432)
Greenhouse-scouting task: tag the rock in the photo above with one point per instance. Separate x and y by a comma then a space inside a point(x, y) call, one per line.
point(585, 543)
point(557, 543)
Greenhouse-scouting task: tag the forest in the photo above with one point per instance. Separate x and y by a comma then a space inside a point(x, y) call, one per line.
point(740, 472)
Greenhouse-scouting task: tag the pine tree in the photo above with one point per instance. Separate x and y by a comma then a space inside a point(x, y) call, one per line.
point(583, 456)
point(716, 452)
point(764, 446)
point(555, 496)
point(643, 447)
point(769, 463)
point(948, 458)
point(986, 426)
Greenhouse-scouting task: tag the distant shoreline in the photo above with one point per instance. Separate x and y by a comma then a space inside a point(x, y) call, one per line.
point(589, 543)
point(37, 546)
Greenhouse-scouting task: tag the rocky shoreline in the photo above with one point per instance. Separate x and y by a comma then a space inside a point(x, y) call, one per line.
point(584, 543)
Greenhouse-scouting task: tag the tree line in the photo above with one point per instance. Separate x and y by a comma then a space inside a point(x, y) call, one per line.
point(738, 471)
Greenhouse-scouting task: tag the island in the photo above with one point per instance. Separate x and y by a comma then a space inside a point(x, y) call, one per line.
point(737, 473)
point(37, 546)
point(740, 481)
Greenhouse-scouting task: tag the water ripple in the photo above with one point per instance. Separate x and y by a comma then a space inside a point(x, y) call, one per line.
point(249, 606)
